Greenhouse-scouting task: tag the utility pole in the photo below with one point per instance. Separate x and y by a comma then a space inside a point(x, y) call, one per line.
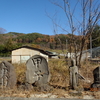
point(66, 48)
point(90, 46)
point(90, 22)
point(66, 44)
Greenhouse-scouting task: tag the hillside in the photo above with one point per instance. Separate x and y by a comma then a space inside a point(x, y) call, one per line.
point(33, 39)
point(12, 40)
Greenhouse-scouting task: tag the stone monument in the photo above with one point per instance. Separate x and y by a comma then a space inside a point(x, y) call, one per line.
point(37, 72)
point(7, 75)
point(96, 85)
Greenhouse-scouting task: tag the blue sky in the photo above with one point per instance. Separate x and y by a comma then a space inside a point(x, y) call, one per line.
point(27, 16)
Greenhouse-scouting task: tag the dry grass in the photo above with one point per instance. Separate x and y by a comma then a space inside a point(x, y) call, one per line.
point(59, 73)
point(59, 81)
point(87, 71)
point(20, 72)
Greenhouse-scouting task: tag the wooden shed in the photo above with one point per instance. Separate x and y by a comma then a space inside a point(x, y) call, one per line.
point(22, 54)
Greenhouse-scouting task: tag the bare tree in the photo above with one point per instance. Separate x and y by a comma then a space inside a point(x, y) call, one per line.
point(89, 17)
point(55, 29)
point(2, 30)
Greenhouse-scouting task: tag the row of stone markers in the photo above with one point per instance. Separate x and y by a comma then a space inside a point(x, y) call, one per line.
point(37, 72)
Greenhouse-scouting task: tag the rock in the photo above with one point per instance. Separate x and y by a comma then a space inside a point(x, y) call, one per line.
point(88, 97)
point(48, 95)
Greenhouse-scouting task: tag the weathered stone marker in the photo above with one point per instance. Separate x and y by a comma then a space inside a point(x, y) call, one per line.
point(96, 85)
point(73, 75)
point(7, 75)
point(37, 72)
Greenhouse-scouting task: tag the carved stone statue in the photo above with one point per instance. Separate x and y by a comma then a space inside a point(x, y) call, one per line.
point(73, 75)
point(37, 72)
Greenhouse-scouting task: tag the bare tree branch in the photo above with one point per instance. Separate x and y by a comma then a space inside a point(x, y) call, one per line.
point(90, 16)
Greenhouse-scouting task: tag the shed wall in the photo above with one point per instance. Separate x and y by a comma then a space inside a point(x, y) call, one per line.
point(23, 54)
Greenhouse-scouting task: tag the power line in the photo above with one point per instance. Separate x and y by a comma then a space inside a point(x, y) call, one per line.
point(96, 39)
